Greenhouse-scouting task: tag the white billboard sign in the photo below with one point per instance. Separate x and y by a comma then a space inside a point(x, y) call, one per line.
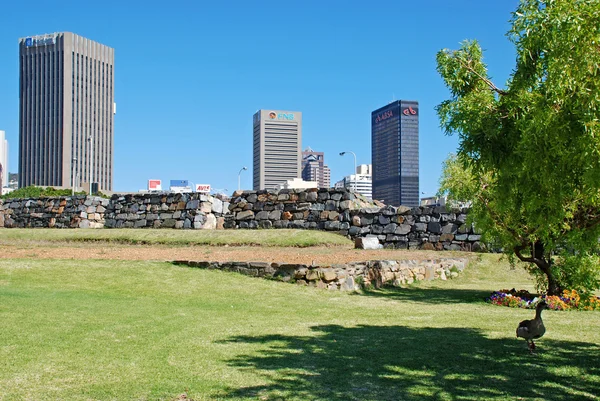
point(203, 188)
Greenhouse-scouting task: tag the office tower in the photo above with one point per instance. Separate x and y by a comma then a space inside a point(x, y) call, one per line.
point(3, 160)
point(66, 116)
point(360, 182)
point(314, 168)
point(277, 148)
point(395, 153)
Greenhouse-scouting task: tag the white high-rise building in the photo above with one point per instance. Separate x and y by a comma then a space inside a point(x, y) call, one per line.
point(277, 150)
point(3, 160)
point(360, 182)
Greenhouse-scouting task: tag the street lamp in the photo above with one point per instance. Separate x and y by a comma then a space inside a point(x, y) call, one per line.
point(242, 169)
point(353, 154)
point(73, 176)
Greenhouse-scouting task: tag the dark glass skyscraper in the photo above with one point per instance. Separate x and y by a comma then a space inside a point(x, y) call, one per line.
point(395, 153)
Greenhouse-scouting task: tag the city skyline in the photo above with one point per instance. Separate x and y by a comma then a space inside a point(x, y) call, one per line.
point(185, 93)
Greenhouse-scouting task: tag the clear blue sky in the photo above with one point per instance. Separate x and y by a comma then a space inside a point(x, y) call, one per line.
point(189, 75)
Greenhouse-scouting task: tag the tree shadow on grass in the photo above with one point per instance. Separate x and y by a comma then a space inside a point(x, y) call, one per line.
point(401, 363)
point(428, 295)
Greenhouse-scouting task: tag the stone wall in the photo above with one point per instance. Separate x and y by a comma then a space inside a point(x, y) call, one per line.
point(352, 215)
point(62, 212)
point(166, 210)
point(345, 277)
point(335, 210)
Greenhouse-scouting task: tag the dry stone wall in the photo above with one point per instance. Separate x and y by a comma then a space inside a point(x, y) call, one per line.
point(345, 277)
point(352, 215)
point(166, 210)
point(62, 212)
point(335, 210)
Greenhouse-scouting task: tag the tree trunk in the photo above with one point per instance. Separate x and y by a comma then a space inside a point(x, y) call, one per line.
point(545, 265)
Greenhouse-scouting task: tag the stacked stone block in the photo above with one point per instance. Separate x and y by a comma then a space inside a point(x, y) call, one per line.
point(335, 210)
point(62, 212)
point(166, 210)
point(354, 216)
point(345, 277)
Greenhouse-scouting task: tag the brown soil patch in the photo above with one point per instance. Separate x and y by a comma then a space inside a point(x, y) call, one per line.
point(314, 255)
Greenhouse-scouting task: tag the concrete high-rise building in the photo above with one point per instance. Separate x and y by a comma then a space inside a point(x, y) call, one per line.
point(395, 153)
point(3, 161)
point(315, 169)
point(277, 148)
point(66, 113)
point(360, 182)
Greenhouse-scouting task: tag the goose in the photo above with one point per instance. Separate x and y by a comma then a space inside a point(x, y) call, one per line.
point(534, 328)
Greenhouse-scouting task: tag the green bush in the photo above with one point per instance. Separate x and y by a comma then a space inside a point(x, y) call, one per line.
point(38, 192)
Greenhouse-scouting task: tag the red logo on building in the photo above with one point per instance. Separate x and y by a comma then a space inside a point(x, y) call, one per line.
point(384, 116)
point(409, 111)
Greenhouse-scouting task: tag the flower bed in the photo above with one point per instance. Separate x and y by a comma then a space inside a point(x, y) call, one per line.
point(570, 300)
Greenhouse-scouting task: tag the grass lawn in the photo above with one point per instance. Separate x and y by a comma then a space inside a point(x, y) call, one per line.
point(122, 330)
point(293, 238)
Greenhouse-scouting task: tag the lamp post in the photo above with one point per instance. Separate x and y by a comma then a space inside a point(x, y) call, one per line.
point(353, 154)
point(239, 174)
point(74, 162)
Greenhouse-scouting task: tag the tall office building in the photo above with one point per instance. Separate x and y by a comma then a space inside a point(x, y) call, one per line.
point(360, 182)
point(3, 161)
point(395, 153)
point(66, 116)
point(315, 169)
point(277, 148)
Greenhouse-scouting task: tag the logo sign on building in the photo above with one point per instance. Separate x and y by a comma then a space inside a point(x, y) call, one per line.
point(179, 183)
point(154, 185)
point(40, 41)
point(203, 188)
point(409, 111)
point(281, 116)
point(384, 116)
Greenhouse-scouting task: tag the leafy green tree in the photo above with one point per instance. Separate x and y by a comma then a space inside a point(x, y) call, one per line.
point(531, 150)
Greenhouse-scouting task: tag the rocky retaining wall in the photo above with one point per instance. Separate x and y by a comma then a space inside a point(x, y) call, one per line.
point(352, 215)
point(166, 210)
point(63, 212)
point(335, 210)
point(345, 277)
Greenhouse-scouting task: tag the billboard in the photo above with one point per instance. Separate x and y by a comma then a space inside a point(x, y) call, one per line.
point(154, 185)
point(203, 188)
point(179, 183)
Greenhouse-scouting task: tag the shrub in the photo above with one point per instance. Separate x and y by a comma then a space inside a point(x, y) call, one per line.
point(569, 300)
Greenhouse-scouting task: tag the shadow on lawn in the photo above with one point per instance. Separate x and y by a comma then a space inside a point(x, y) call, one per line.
point(428, 295)
point(401, 363)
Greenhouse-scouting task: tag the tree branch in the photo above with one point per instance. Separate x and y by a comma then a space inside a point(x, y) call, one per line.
point(484, 79)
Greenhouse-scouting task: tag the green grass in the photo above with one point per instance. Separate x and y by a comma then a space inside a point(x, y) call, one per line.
point(120, 330)
point(286, 238)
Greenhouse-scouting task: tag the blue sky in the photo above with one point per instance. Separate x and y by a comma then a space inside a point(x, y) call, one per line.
point(189, 75)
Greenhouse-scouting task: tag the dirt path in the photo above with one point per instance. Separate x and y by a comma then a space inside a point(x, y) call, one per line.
point(313, 255)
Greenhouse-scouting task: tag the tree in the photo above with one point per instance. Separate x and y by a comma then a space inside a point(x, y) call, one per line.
point(532, 148)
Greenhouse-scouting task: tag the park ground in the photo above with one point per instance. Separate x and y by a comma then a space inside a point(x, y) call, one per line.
point(113, 319)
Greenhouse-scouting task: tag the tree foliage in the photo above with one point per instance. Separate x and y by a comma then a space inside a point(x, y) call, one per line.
point(532, 148)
